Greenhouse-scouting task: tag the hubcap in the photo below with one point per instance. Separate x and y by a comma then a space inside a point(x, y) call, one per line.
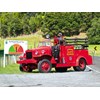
point(45, 66)
point(82, 64)
point(25, 68)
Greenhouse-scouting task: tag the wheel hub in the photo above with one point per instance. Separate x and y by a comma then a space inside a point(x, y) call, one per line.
point(45, 66)
point(82, 64)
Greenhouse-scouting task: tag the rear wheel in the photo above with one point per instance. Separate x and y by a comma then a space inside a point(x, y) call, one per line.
point(44, 66)
point(82, 65)
point(61, 69)
point(25, 68)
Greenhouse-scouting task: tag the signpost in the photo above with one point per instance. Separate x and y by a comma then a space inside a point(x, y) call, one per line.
point(95, 49)
point(14, 47)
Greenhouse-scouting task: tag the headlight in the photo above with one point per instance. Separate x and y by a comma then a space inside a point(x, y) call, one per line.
point(43, 51)
point(36, 52)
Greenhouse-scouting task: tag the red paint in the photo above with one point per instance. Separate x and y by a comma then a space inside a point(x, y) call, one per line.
point(45, 66)
point(68, 56)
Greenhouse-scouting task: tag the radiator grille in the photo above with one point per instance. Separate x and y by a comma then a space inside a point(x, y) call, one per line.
point(28, 55)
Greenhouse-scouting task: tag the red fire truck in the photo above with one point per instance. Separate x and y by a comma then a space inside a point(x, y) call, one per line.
point(72, 53)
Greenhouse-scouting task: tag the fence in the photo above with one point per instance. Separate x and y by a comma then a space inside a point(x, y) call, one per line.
point(1, 57)
point(9, 59)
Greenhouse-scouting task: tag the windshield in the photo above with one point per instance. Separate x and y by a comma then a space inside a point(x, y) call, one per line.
point(45, 43)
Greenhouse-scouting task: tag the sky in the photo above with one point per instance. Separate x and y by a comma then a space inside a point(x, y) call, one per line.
point(49, 6)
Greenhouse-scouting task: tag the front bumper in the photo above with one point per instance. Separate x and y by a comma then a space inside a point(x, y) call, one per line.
point(27, 61)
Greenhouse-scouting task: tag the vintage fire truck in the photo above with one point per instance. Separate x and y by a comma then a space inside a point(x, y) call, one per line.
point(72, 53)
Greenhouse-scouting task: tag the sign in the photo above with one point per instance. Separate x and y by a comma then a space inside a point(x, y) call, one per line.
point(70, 52)
point(14, 47)
point(95, 48)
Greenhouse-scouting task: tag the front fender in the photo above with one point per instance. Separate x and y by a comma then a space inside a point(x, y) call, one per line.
point(88, 60)
point(27, 61)
point(49, 57)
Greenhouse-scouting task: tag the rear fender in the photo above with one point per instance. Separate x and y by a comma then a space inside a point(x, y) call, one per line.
point(77, 61)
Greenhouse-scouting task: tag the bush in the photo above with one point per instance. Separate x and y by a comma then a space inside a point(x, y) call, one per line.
point(94, 32)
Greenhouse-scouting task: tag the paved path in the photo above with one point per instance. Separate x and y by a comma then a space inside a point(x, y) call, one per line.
point(89, 78)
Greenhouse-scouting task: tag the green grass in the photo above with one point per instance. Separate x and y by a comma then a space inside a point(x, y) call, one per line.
point(32, 39)
point(10, 69)
point(13, 69)
point(92, 51)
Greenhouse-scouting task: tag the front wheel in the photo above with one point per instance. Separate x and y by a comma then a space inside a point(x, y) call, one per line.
point(25, 68)
point(82, 65)
point(44, 66)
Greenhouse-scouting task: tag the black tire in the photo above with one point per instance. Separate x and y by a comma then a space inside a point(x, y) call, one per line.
point(61, 69)
point(46, 67)
point(20, 68)
point(82, 65)
point(25, 68)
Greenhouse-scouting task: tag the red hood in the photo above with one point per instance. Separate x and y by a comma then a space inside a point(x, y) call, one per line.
point(44, 47)
point(43, 50)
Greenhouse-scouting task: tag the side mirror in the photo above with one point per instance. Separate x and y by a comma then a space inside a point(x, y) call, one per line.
point(47, 36)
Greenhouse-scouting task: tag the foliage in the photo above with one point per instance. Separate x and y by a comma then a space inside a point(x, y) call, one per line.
point(68, 23)
point(14, 24)
point(94, 31)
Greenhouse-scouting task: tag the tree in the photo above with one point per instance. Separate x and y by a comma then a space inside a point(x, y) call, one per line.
point(69, 23)
point(94, 31)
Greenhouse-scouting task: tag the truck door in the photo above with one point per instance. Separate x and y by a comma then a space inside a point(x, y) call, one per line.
point(67, 54)
point(70, 58)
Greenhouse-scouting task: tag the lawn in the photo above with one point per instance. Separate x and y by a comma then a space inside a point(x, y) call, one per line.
point(94, 52)
point(32, 39)
point(10, 69)
point(13, 69)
